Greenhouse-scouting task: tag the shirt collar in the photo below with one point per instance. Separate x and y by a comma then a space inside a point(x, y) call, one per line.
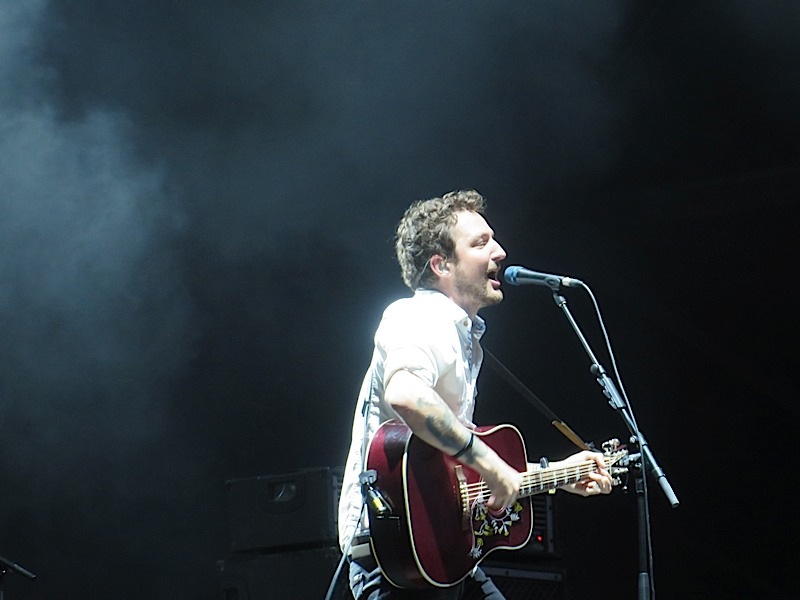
point(459, 316)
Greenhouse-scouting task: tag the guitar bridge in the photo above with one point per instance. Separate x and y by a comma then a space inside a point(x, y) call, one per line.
point(463, 495)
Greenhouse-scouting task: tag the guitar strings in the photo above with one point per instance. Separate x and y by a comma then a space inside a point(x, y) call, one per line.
point(533, 480)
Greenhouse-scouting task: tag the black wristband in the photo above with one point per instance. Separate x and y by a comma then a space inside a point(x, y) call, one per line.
point(466, 447)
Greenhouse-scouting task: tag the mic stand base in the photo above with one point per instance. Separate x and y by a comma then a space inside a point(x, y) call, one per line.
point(5, 566)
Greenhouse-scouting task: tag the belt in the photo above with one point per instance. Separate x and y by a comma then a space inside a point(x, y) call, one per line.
point(360, 548)
point(361, 552)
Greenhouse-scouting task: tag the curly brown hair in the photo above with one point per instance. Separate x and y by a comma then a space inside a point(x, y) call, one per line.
point(426, 230)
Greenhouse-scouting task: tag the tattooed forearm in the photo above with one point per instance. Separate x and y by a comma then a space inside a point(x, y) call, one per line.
point(429, 417)
point(475, 453)
point(451, 435)
point(444, 428)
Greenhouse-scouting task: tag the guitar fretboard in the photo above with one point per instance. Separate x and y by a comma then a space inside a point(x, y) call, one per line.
point(537, 480)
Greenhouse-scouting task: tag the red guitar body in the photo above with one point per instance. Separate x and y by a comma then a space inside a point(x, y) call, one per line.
point(435, 535)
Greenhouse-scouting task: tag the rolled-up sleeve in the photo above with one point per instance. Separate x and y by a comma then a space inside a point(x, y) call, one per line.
point(412, 346)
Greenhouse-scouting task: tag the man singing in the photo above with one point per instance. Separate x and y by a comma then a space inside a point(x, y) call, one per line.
point(423, 372)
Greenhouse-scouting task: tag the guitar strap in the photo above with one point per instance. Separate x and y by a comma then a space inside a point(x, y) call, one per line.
point(533, 399)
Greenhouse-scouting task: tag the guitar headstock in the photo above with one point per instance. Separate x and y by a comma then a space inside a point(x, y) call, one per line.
point(613, 453)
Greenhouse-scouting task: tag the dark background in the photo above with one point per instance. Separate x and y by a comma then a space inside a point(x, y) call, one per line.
point(197, 201)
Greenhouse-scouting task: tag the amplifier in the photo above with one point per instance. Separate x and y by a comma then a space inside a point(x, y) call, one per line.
point(520, 583)
point(271, 513)
point(300, 575)
point(542, 541)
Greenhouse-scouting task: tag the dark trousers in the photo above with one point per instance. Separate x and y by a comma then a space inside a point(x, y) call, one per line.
point(367, 583)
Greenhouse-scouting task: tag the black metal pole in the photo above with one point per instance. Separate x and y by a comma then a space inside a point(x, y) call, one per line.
point(9, 565)
point(645, 583)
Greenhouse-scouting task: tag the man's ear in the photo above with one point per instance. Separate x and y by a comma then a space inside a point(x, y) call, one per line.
point(439, 264)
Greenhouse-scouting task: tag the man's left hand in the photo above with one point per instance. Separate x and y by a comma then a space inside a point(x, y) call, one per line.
point(596, 482)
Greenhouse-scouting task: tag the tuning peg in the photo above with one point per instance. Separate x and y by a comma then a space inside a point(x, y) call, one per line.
point(611, 445)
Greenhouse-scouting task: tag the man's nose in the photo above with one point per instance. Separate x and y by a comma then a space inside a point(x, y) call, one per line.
point(499, 253)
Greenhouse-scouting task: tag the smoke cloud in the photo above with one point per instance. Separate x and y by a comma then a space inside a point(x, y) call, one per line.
point(196, 208)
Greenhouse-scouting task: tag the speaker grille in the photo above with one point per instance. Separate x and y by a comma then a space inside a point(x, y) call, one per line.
point(300, 575)
point(528, 584)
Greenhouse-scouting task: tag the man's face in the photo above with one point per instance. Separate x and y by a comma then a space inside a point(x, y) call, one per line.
point(476, 268)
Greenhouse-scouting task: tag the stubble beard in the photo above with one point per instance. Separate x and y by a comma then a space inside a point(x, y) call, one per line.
point(479, 295)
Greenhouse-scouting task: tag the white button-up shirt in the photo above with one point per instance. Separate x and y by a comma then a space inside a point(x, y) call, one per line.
point(433, 338)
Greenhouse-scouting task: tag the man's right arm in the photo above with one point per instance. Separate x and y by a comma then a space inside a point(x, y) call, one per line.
point(430, 419)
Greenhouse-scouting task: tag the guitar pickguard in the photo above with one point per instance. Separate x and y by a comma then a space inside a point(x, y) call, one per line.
point(487, 524)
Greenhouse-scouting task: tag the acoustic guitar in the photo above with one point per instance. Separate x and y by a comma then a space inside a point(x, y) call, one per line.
point(432, 526)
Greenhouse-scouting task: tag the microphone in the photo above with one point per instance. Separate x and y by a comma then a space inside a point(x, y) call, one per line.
point(522, 276)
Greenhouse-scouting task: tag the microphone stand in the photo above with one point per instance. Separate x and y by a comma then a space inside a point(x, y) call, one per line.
point(646, 462)
point(6, 565)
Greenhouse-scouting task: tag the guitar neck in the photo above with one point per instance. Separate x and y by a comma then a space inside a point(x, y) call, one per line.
point(538, 480)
